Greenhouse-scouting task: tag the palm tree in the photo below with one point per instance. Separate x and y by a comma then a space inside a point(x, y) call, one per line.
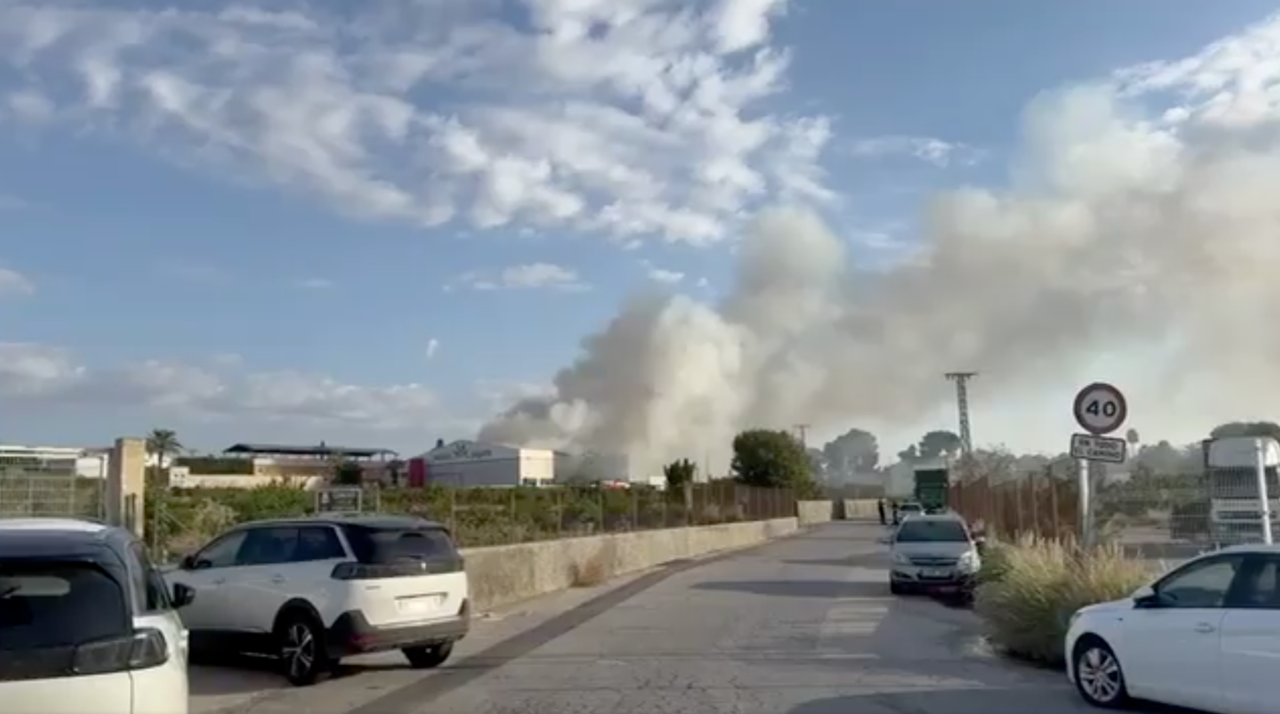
point(162, 443)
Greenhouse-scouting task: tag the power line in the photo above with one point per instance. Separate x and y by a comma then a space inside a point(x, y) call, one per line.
point(962, 404)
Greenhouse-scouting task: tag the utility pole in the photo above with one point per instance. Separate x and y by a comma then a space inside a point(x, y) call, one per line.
point(962, 404)
point(804, 433)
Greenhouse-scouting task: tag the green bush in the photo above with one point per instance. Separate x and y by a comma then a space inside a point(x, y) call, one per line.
point(1028, 590)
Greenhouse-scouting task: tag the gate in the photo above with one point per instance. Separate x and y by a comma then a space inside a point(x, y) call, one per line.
point(39, 483)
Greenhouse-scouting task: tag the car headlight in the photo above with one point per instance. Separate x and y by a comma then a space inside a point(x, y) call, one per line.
point(901, 559)
point(968, 561)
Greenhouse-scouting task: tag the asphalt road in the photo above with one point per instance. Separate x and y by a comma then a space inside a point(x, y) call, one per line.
point(799, 626)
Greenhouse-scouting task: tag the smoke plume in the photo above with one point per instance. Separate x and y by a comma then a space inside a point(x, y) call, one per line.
point(1115, 229)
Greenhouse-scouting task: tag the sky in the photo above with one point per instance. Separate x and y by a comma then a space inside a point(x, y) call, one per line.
point(380, 224)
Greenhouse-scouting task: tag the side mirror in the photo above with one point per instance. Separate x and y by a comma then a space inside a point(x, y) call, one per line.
point(187, 563)
point(183, 595)
point(1146, 596)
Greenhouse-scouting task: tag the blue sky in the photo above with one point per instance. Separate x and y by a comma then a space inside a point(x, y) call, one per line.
point(186, 242)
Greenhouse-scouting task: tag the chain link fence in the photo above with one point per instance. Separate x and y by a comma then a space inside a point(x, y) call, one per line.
point(181, 520)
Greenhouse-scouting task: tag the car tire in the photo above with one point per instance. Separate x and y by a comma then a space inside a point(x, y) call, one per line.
point(428, 656)
point(896, 588)
point(1098, 675)
point(300, 639)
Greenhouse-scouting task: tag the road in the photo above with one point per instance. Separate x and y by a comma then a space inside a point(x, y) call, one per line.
point(803, 625)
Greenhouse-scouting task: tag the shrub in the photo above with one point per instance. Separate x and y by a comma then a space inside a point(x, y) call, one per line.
point(1030, 588)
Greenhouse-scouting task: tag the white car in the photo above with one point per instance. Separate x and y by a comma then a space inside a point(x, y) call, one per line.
point(86, 624)
point(1204, 636)
point(311, 591)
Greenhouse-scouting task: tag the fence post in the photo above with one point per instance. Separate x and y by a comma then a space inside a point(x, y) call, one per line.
point(1260, 472)
point(1086, 504)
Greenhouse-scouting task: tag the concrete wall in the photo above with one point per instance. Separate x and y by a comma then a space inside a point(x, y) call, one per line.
point(860, 508)
point(509, 573)
point(812, 512)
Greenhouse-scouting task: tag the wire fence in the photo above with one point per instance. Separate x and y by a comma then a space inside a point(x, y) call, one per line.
point(1157, 515)
point(25, 493)
point(181, 520)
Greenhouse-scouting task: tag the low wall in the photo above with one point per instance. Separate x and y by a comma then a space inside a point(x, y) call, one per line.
point(812, 512)
point(509, 573)
point(860, 508)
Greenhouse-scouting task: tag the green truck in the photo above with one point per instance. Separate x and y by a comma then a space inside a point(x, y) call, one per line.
point(933, 485)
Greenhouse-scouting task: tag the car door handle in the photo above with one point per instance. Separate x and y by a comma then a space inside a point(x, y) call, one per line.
point(277, 579)
point(219, 581)
point(1205, 628)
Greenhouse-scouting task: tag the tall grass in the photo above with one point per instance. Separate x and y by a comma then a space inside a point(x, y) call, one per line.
point(1028, 589)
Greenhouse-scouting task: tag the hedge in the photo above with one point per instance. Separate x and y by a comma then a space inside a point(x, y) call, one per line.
point(1028, 589)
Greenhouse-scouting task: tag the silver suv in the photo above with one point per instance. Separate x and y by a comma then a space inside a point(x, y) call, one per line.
point(934, 553)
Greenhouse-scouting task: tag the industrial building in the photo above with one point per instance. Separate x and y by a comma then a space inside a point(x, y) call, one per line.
point(471, 463)
point(59, 460)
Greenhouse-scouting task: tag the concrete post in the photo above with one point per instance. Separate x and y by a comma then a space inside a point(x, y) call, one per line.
point(127, 485)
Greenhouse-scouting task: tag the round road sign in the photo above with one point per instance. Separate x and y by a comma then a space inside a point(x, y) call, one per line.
point(1100, 408)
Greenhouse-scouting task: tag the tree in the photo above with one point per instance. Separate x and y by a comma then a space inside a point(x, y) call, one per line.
point(678, 474)
point(772, 459)
point(345, 472)
point(937, 443)
point(853, 452)
point(161, 444)
point(819, 466)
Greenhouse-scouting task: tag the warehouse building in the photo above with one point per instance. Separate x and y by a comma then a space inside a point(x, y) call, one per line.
point(471, 463)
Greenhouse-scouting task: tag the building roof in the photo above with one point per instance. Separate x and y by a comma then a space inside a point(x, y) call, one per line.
point(321, 449)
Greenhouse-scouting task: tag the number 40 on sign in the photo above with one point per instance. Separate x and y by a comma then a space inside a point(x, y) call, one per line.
point(1100, 408)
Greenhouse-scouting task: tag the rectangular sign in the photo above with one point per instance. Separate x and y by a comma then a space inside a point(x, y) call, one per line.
point(1098, 448)
point(340, 500)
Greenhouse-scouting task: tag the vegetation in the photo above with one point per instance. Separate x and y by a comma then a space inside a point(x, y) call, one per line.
point(182, 519)
point(773, 459)
point(679, 473)
point(216, 465)
point(161, 444)
point(1028, 589)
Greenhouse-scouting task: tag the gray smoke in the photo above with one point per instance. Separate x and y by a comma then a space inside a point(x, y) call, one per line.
point(1114, 231)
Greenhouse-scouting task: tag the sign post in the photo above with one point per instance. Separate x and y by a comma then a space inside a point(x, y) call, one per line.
point(1099, 409)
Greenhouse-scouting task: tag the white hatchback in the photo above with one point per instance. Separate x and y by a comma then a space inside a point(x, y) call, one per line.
point(311, 591)
point(1204, 636)
point(86, 624)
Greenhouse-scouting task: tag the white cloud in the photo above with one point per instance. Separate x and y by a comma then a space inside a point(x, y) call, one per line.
point(14, 284)
point(930, 150)
point(433, 346)
point(34, 376)
point(662, 275)
point(628, 117)
point(533, 276)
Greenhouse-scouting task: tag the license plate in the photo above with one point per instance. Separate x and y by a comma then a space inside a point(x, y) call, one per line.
point(419, 605)
point(935, 573)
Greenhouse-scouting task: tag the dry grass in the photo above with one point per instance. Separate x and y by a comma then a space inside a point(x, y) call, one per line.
point(1030, 588)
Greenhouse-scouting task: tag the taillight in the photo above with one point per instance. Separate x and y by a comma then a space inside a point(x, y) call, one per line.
point(403, 568)
point(347, 571)
point(141, 650)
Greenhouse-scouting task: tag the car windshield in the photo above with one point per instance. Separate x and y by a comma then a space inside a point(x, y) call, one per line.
point(926, 531)
point(911, 507)
point(58, 605)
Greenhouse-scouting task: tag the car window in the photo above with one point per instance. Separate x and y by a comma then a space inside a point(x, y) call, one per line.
point(268, 546)
point(1200, 584)
point(152, 590)
point(222, 552)
point(53, 605)
point(1258, 585)
point(318, 543)
point(931, 531)
point(388, 545)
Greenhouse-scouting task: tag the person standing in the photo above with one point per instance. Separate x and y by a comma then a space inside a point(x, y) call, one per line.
point(880, 509)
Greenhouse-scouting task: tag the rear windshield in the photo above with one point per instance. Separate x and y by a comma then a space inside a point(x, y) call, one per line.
point(48, 605)
point(926, 531)
point(387, 545)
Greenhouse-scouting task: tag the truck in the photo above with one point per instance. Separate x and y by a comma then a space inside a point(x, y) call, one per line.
point(1231, 482)
point(932, 479)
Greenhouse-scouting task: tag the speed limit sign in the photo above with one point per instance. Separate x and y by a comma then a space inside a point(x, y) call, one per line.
point(1100, 408)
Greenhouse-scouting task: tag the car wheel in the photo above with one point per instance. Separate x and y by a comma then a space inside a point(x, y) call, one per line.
point(428, 657)
point(302, 653)
point(1098, 675)
point(896, 588)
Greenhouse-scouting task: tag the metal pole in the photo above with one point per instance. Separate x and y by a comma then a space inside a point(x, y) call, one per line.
point(1260, 470)
point(1086, 512)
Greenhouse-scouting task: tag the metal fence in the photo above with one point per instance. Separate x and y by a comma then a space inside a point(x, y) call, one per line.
point(1151, 514)
point(180, 520)
point(36, 487)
